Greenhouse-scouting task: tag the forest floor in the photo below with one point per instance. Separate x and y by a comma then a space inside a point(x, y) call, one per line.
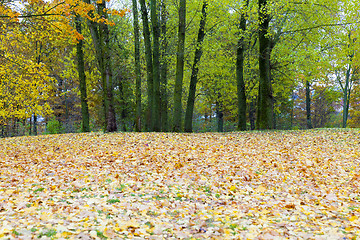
point(252, 185)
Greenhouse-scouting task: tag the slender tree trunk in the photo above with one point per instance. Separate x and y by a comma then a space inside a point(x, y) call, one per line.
point(35, 132)
point(308, 106)
point(82, 82)
point(156, 118)
point(30, 126)
point(137, 66)
point(240, 74)
point(164, 69)
point(346, 97)
point(265, 104)
point(195, 70)
point(219, 115)
point(252, 114)
point(149, 64)
point(179, 68)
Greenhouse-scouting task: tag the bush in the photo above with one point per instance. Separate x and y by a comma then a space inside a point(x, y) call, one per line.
point(53, 126)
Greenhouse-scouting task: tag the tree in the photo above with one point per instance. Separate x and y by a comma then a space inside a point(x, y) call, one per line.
point(164, 68)
point(179, 68)
point(137, 66)
point(195, 70)
point(149, 65)
point(240, 72)
point(85, 127)
point(265, 102)
point(156, 117)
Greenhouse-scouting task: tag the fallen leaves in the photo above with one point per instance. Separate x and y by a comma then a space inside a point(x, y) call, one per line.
point(263, 185)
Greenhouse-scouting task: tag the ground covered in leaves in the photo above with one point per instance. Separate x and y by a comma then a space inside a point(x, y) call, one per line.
point(258, 185)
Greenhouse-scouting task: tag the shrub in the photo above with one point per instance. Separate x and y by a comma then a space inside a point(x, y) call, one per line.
point(53, 126)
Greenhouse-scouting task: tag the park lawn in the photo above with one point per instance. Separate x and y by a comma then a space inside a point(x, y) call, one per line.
point(264, 185)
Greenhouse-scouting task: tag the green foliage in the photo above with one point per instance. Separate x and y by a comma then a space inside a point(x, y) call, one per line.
point(53, 127)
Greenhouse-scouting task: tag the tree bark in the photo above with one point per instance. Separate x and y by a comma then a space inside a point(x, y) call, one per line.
point(137, 66)
point(179, 68)
point(149, 64)
point(240, 74)
point(105, 35)
point(219, 115)
point(35, 132)
point(308, 106)
point(195, 70)
point(85, 127)
point(164, 69)
point(252, 112)
point(265, 101)
point(346, 97)
point(156, 118)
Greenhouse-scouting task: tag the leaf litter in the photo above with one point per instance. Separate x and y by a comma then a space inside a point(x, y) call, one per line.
point(252, 185)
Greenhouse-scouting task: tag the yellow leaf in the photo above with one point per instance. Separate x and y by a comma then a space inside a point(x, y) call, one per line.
point(233, 188)
point(353, 218)
point(261, 189)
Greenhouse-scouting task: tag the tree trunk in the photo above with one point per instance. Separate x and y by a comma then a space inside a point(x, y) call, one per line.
point(252, 114)
point(265, 101)
point(240, 74)
point(156, 118)
point(101, 39)
point(149, 65)
point(346, 97)
point(105, 34)
point(308, 106)
point(164, 69)
point(195, 70)
point(99, 49)
point(219, 115)
point(179, 68)
point(35, 132)
point(82, 82)
point(137, 66)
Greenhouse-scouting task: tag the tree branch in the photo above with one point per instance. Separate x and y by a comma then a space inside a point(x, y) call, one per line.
point(320, 26)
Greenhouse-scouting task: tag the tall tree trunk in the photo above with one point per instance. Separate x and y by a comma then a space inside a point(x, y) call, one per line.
point(101, 39)
point(156, 118)
point(137, 66)
point(149, 65)
point(265, 104)
point(308, 106)
point(179, 68)
point(240, 74)
point(164, 69)
point(105, 34)
point(82, 82)
point(195, 70)
point(346, 97)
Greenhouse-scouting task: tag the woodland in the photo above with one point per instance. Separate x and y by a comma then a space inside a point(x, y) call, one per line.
point(196, 66)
